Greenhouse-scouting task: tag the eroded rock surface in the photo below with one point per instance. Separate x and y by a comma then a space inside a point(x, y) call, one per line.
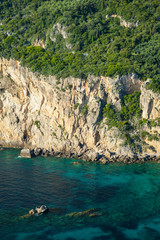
point(63, 116)
point(150, 102)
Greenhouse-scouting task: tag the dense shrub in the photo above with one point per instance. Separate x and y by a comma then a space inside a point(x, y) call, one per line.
point(124, 119)
point(100, 46)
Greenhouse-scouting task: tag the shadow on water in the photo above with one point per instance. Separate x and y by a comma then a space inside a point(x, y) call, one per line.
point(127, 196)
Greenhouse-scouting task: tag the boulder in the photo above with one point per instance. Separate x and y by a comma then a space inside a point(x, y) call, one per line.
point(93, 156)
point(42, 209)
point(37, 151)
point(103, 160)
point(31, 212)
point(27, 153)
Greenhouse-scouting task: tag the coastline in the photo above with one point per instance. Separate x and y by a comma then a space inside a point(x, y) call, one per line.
point(101, 159)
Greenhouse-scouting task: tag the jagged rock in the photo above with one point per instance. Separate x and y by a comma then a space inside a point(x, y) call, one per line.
point(27, 153)
point(103, 160)
point(45, 153)
point(93, 156)
point(42, 209)
point(37, 151)
point(123, 22)
point(150, 102)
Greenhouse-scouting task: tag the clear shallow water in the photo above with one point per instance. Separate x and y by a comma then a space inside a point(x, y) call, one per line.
point(127, 198)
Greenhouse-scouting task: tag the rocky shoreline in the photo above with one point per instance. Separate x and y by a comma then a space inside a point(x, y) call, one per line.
point(87, 156)
point(31, 153)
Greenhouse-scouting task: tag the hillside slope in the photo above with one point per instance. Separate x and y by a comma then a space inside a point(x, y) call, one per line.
point(105, 37)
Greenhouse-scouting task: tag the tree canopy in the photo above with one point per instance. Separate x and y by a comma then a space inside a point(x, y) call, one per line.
point(95, 42)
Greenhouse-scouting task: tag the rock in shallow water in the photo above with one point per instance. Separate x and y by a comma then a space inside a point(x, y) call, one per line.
point(42, 209)
point(27, 153)
point(31, 212)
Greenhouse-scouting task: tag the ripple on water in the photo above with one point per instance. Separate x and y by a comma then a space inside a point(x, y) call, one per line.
point(128, 196)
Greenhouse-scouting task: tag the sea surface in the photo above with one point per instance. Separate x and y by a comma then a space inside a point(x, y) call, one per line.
point(88, 201)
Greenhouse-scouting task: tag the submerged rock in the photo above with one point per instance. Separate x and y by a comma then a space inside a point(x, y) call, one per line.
point(94, 212)
point(76, 163)
point(90, 212)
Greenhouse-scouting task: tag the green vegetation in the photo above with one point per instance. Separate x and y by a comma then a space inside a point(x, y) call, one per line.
point(76, 106)
point(37, 124)
point(125, 119)
point(98, 45)
point(54, 134)
point(128, 121)
point(144, 134)
point(60, 126)
point(150, 123)
point(84, 110)
point(150, 137)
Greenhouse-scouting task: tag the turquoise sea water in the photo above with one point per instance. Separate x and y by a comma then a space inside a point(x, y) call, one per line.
point(126, 199)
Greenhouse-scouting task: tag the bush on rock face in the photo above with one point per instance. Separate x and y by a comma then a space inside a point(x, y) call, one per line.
point(124, 119)
point(130, 109)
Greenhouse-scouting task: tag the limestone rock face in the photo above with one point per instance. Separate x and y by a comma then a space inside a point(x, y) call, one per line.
point(125, 23)
point(150, 102)
point(58, 29)
point(63, 116)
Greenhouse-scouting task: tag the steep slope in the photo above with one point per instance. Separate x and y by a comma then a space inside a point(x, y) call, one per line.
point(68, 116)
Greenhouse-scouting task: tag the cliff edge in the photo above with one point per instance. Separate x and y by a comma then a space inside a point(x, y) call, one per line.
point(65, 116)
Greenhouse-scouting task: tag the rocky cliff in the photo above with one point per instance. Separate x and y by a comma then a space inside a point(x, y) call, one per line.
point(65, 116)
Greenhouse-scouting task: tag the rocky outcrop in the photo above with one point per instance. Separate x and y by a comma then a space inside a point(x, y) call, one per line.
point(27, 153)
point(123, 22)
point(39, 43)
point(150, 102)
point(62, 117)
point(59, 29)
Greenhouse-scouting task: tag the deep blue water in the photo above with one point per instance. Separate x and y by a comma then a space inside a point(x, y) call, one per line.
point(126, 198)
